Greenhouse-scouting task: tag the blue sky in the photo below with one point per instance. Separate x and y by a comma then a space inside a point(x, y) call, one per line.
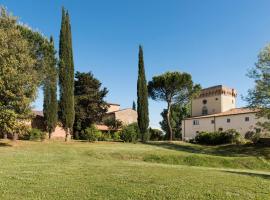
point(214, 40)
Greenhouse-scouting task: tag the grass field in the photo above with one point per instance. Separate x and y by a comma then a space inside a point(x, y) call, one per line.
point(81, 170)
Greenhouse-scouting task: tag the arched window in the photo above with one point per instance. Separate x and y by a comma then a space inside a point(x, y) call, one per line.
point(204, 111)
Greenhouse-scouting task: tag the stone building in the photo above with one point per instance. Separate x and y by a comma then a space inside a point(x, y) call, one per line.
point(215, 110)
point(126, 116)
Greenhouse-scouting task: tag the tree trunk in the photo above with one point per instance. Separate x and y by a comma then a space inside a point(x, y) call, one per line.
point(68, 135)
point(169, 121)
point(5, 136)
point(50, 135)
point(15, 136)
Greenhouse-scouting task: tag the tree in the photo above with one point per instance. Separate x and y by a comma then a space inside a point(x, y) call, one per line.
point(66, 76)
point(50, 105)
point(113, 124)
point(171, 87)
point(178, 113)
point(18, 76)
point(259, 96)
point(142, 99)
point(90, 105)
point(134, 106)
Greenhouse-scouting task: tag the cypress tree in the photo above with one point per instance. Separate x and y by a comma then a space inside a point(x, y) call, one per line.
point(134, 106)
point(50, 89)
point(142, 99)
point(66, 75)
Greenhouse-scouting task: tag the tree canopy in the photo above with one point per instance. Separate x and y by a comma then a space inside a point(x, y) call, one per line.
point(19, 78)
point(259, 96)
point(142, 98)
point(172, 87)
point(90, 105)
point(66, 75)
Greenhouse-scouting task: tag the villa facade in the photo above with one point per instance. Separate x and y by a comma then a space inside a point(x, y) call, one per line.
point(215, 110)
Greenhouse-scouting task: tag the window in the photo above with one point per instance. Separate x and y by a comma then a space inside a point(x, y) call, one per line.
point(212, 121)
point(247, 119)
point(220, 129)
point(228, 120)
point(204, 101)
point(216, 99)
point(196, 122)
point(204, 111)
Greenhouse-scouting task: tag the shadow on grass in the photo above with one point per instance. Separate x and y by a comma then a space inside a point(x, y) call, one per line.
point(221, 150)
point(3, 144)
point(252, 174)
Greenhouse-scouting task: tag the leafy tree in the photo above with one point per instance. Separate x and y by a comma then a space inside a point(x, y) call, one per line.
point(66, 75)
point(178, 113)
point(156, 134)
point(50, 105)
point(134, 106)
point(259, 96)
point(171, 87)
point(142, 98)
point(18, 76)
point(90, 105)
point(113, 124)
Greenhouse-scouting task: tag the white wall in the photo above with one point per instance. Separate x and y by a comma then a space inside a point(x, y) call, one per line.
point(237, 122)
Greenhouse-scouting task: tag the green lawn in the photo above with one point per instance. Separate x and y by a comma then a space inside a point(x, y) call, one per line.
point(81, 170)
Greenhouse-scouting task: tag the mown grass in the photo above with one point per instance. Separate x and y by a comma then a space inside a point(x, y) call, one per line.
point(81, 170)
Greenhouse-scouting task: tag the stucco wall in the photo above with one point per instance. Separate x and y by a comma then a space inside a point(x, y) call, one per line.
point(127, 116)
point(213, 105)
point(113, 108)
point(237, 122)
point(227, 102)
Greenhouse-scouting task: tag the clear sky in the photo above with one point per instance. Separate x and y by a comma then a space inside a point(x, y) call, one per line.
point(214, 40)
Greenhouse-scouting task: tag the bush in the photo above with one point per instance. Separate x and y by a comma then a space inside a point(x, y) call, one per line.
point(130, 133)
point(156, 134)
point(92, 134)
point(116, 136)
point(215, 138)
point(36, 134)
point(253, 136)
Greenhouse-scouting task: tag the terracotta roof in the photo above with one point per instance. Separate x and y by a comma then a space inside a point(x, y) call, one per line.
point(102, 127)
point(234, 111)
point(120, 110)
point(114, 104)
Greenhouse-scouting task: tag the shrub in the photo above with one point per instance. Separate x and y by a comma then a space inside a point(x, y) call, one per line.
point(253, 136)
point(92, 134)
point(36, 134)
point(156, 134)
point(116, 136)
point(130, 133)
point(215, 138)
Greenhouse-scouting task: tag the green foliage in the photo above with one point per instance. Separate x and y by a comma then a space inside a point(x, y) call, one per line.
point(253, 136)
point(19, 77)
point(113, 124)
point(172, 87)
point(156, 134)
point(134, 106)
point(259, 96)
point(130, 133)
point(116, 136)
point(215, 138)
point(178, 113)
point(92, 134)
point(66, 75)
point(90, 105)
point(50, 105)
point(142, 98)
point(36, 134)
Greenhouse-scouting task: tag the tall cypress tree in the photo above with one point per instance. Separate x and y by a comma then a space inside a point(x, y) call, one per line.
point(66, 75)
point(134, 106)
point(142, 98)
point(50, 89)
